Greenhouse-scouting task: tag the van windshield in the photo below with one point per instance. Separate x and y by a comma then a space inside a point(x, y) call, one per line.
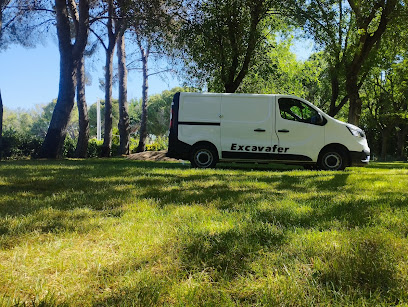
point(296, 110)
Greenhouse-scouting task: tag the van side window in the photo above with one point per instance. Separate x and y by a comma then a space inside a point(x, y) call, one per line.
point(293, 109)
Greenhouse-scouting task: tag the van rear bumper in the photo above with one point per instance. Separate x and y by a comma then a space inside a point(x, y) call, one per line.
point(359, 158)
point(178, 149)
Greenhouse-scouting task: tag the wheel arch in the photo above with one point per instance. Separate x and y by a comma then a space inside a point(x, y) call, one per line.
point(333, 146)
point(207, 143)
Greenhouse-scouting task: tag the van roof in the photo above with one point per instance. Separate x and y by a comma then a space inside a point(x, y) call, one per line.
point(234, 94)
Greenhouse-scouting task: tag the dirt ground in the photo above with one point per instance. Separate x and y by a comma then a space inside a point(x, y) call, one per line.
point(151, 156)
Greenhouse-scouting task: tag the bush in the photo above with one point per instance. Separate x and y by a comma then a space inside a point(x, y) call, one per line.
point(152, 147)
point(17, 145)
point(69, 147)
point(133, 143)
point(160, 143)
point(94, 148)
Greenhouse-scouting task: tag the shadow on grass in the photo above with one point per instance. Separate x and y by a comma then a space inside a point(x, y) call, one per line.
point(388, 165)
point(64, 195)
point(55, 196)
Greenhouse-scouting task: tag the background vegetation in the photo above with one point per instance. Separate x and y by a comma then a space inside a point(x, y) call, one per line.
point(357, 71)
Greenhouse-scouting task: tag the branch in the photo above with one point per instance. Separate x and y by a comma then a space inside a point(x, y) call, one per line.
point(27, 8)
point(100, 39)
point(74, 14)
point(160, 72)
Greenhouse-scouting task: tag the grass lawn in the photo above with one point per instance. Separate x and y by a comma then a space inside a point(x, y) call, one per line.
point(128, 233)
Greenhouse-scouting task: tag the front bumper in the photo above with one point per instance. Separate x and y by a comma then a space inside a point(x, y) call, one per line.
point(359, 158)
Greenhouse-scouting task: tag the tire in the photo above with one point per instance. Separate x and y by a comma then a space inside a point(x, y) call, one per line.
point(203, 156)
point(333, 159)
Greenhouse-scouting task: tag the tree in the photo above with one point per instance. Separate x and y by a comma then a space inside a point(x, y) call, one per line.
point(24, 22)
point(70, 55)
point(144, 51)
point(158, 111)
point(371, 20)
point(277, 70)
point(83, 137)
point(3, 5)
point(92, 116)
point(1, 119)
point(218, 40)
point(349, 32)
point(115, 26)
point(124, 122)
point(386, 99)
point(151, 24)
point(37, 124)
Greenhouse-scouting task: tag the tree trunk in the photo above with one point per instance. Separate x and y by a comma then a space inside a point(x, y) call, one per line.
point(107, 138)
point(54, 140)
point(1, 116)
point(143, 122)
point(402, 139)
point(354, 97)
point(69, 57)
point(1, 123)
point(235, 76)
point(83, 137)
point(124, 122)
point(367, 42)
point(385, 135)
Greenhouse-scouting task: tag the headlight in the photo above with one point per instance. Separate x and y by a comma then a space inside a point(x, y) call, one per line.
point(356, 131)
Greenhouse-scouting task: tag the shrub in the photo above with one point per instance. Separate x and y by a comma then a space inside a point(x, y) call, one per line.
point(18, 145)
point(152, 147)
point(94, 148)
point(133, 143)
point(69, 147)
point(160, 143)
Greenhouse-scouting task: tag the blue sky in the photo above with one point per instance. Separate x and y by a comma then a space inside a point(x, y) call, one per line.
point(30, 76)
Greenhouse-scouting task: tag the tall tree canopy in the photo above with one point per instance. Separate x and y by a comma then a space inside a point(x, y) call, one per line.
point(349, 31)
point(218, 40)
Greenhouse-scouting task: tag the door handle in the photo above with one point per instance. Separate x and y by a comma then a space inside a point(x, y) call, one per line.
point(283, 130)
point(259, 130)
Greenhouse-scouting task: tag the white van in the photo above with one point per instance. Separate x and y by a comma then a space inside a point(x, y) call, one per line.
point(206, 128)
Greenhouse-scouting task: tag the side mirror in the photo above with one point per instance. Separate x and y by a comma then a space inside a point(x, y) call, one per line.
point(317, 119)
point(320, 119)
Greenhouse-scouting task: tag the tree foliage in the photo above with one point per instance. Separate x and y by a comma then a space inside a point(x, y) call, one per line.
point(349, 32)
point(218, 40)
point(360, 66)
point(158, 112)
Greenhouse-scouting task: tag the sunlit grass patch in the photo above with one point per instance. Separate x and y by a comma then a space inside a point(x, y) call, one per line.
point(131, 233)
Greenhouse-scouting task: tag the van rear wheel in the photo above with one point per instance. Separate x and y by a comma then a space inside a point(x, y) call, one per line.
point(333, 159)
point(203, 156)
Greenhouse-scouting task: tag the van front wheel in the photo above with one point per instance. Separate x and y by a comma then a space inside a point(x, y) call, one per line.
point(333, 160)
point(203, 156)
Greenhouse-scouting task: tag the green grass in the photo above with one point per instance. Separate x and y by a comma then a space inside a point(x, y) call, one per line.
point(129, 233)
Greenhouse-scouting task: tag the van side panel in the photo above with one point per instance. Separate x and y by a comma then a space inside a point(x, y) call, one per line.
point(199, 108)
point(247, 126)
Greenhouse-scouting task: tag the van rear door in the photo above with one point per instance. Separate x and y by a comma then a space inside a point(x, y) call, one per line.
point(247, 127)
point(199, 118)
